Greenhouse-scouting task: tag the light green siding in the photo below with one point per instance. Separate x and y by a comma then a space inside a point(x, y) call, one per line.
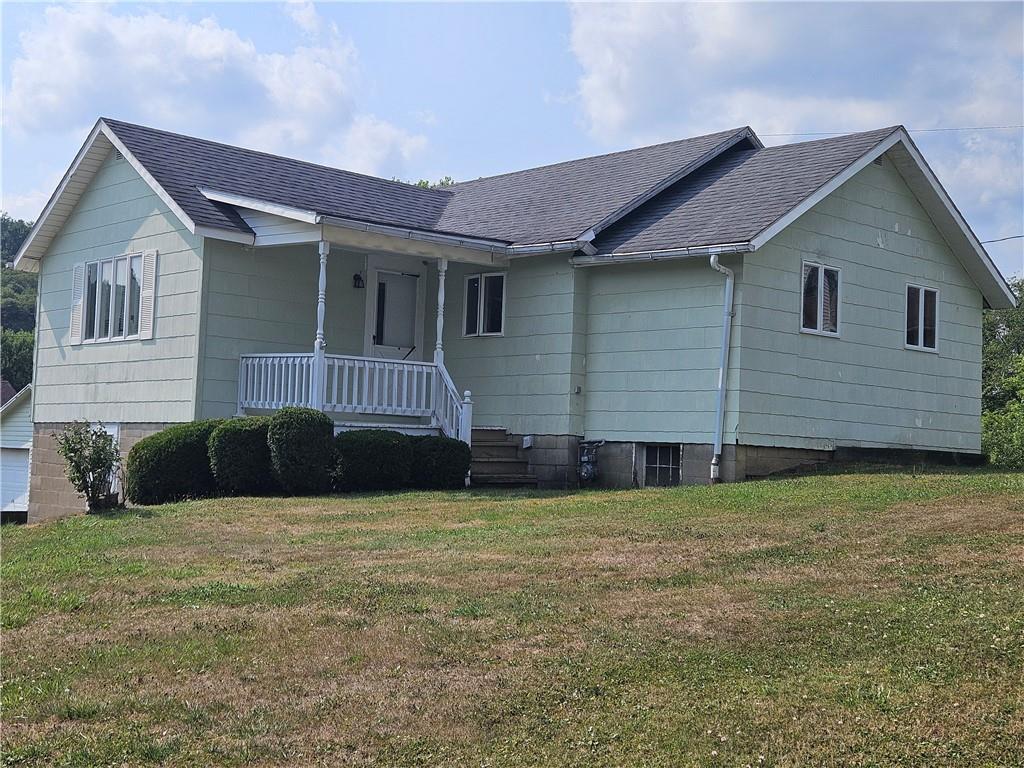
point(119, 381)
point(864, 388)
point(653, 343)
point(522, 380)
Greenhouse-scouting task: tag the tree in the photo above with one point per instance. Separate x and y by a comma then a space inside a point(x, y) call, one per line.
point(1002, 336)
point(16, 357)
point(91, 461)
point(444, 181)
point(12, 234)
point(18, 300)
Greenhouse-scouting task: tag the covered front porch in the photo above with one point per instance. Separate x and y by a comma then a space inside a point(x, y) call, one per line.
point(383, 306)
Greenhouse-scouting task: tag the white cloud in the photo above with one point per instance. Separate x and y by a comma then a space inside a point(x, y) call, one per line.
point(198, 77)
point(654, 72)
point(378, 148)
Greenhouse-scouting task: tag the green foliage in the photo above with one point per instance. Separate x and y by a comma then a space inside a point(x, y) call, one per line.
point(373, 460)
point(12, 234)
point(1002, 436)
point(18, 299)
point(444, 181)
point(1002, 334)
point(16, 357)
point(439, 462)
point(172, 465)
point(240, 457)
point(302, 450)
point(91, 461)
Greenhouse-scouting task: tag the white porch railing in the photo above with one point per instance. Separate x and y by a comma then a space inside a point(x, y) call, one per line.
point(363, 385)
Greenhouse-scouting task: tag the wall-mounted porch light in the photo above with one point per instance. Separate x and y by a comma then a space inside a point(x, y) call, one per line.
point(357, 280)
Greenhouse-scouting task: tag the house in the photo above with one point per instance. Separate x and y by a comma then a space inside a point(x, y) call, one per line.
point(705, 308)
point(15, 451)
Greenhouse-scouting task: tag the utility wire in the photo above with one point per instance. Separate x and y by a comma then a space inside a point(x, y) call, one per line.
point(1001, 239)
point(912, 130)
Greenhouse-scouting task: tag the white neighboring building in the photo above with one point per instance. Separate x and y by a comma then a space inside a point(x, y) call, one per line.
point(15, 451)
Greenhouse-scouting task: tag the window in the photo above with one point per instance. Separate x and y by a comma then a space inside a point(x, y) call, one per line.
point(819, 303)
point(113, 294)
point(661, 465)
point(922, 318)
point(485, 305)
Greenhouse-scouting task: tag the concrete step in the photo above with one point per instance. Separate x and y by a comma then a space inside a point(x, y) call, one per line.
point(503, 481)
point(500, 466)
point(509, 451)
point(490, 435)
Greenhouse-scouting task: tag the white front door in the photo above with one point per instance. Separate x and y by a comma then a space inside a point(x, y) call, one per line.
point(396, 332)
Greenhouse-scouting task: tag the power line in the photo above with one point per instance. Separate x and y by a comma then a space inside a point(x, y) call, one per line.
point(1001, 239)
point(913, 130)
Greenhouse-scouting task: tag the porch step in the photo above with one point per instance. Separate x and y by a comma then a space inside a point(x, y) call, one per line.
point(504, 481)
point(499, 461)
point(500, 466)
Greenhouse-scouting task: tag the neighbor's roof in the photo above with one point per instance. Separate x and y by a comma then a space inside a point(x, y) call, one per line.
point(720, 189)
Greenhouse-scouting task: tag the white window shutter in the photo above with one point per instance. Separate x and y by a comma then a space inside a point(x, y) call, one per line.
point(147, 299)
point(77, 303)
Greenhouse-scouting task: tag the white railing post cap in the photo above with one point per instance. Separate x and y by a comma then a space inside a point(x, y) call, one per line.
point(467, 396)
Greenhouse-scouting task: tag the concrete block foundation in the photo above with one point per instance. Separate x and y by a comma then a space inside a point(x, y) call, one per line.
point(50, 494)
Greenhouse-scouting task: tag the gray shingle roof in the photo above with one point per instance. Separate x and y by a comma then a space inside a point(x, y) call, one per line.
point(561, 201)
point(729, 199)
point(181, 164)
point(736, 196)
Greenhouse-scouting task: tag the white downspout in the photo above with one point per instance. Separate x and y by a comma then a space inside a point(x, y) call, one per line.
point(723, 365)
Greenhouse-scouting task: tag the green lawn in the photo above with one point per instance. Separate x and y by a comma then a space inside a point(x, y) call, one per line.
point(871, 618)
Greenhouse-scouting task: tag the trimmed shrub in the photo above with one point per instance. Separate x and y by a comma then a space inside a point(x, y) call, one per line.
point(171, 465)
point(372, 460)
point(240, 457)
point(301, 442)
point(1002, 436)
point(439, 462)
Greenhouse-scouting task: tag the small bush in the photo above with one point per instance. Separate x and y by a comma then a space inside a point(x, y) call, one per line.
point(301, 442)
point(439, 462)
point(240, 457)
point(91, 461)
point(1002, 436)
point(171, 465)
point(372, 460)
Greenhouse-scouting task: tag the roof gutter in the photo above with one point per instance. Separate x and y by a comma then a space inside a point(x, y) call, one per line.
point(662, 255)
point(558, 246)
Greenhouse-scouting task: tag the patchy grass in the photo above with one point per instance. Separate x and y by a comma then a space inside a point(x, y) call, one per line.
point(874, 618)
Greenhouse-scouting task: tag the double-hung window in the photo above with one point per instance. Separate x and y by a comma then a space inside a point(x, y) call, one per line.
point(485, 305)
point(922, 318)
point(819, 299)
point(113, 298)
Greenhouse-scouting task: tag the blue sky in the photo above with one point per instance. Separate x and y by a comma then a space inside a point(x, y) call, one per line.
point(426, 90)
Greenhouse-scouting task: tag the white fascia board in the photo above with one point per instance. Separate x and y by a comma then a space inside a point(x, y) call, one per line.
point(54, 199)
point(244, 201)
point(230, 235)
point(635, 257)
point(671, 179)
point(533, 249)
point(148, 177)
point(827, 188)
point(16, 398)
point(961, 222)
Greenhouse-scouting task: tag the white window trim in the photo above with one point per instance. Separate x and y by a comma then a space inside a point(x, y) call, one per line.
point(920, 318)
point(480, 303)
point(821, 299)
point(113, 292)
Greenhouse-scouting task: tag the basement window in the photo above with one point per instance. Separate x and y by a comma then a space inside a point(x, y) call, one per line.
point(661, 465)
point(922, 318)
point(819, 301)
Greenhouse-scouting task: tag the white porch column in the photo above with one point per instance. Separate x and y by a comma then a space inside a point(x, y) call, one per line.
point(442, 269)
point(316, 395)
